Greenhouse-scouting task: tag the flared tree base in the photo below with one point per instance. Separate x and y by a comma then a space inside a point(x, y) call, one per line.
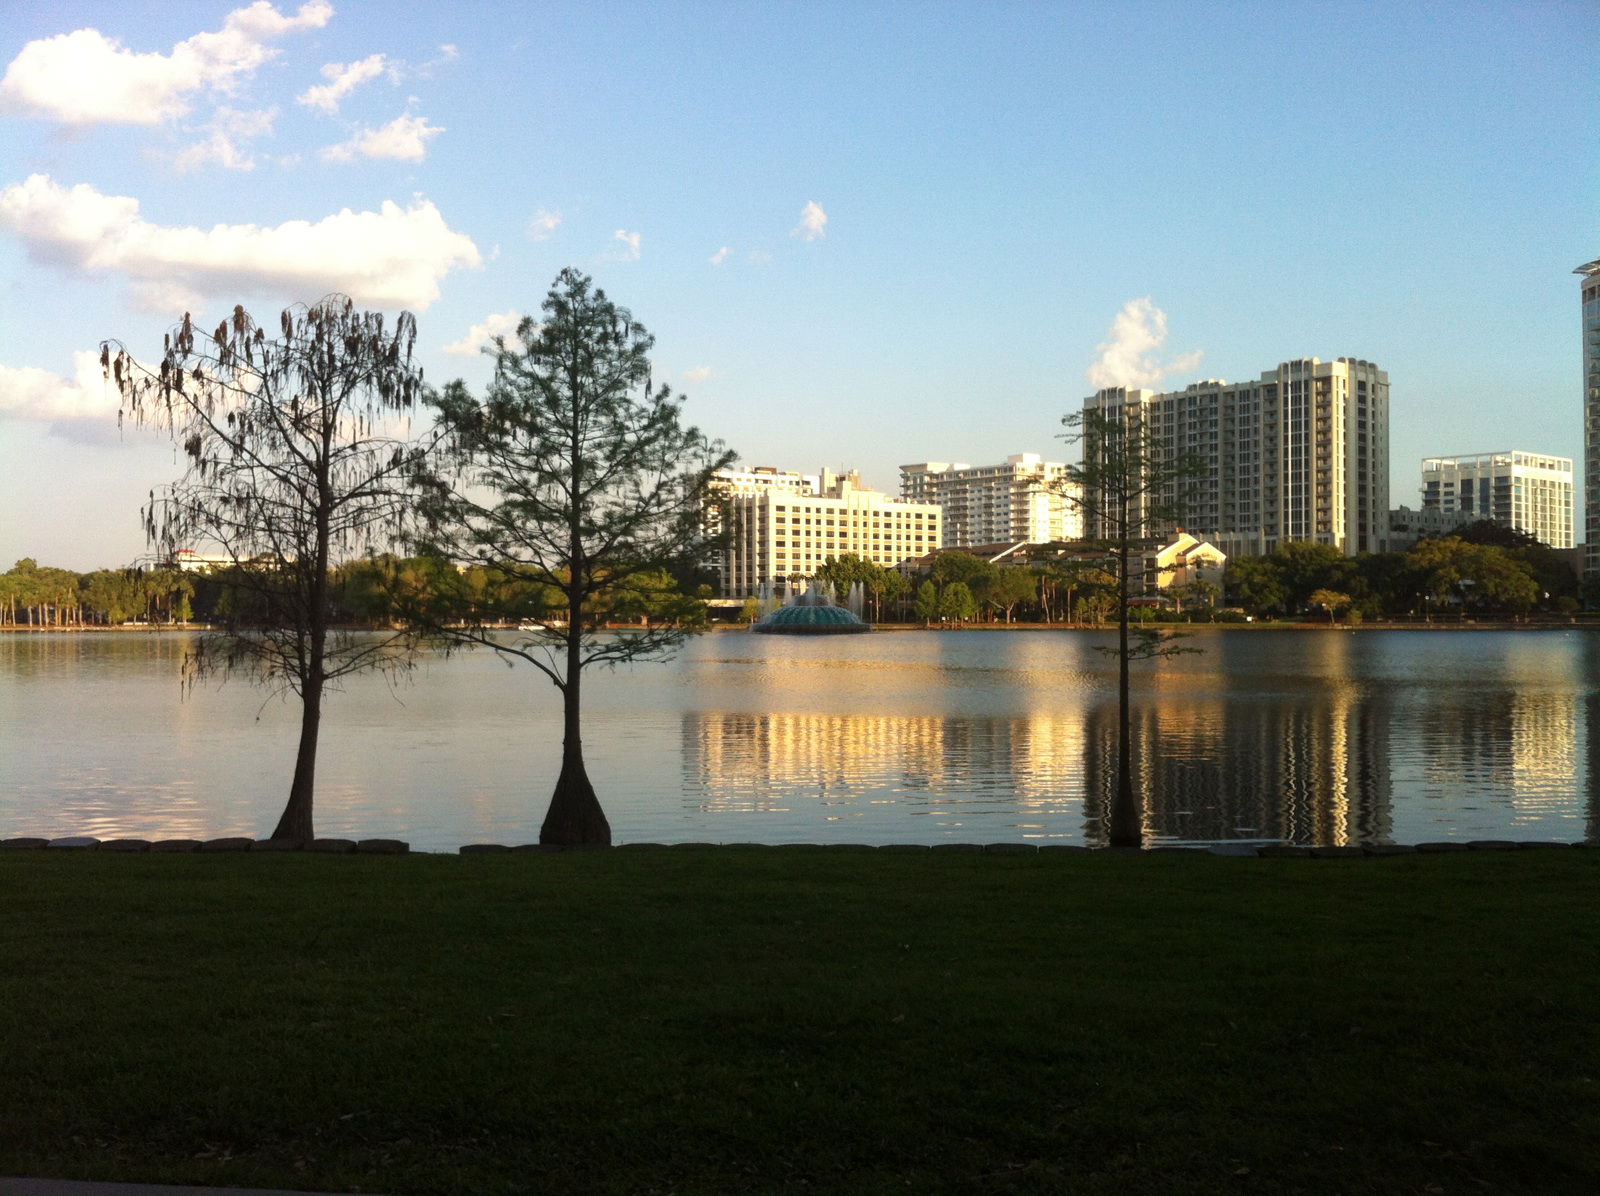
point(575, 818)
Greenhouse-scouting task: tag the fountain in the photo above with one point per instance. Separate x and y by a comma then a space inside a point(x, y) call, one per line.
point(813, 612)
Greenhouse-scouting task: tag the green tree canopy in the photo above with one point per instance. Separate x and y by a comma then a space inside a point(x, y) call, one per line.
point(573, 473)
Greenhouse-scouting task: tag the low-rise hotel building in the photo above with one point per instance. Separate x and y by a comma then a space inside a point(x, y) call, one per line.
point(782, 533)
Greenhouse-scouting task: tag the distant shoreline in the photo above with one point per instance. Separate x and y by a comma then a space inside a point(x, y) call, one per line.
point(1554, 623)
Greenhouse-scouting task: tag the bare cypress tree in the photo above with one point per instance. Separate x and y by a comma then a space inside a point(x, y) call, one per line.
point(289, 470)
point(573, 487)
point(1129, 489)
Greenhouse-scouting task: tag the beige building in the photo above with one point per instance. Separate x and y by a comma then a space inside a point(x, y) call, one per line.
point(1407, 526)
point(1300, 453)
point(782, 534)
point(1025, 500)
point(1182, 561)
point(1531, 492)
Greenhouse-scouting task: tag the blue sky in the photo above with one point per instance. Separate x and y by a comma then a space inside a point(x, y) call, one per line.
point(863, 234)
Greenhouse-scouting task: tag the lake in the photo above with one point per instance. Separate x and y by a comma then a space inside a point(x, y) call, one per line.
point(1320, 736)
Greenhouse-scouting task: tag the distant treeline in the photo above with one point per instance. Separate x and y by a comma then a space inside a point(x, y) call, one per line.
point(372, 591)
point(1481, 568)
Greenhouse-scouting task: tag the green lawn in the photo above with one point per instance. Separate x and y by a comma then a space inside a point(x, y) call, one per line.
point(684, 1020)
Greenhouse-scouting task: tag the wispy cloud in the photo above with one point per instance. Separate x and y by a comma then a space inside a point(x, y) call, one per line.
point(699, 374)
point(227, 137)
point(503, 323)
point(630, 244)
point(394, 257)
point(544, 223)
point(342, 78)
point(405, 139)
point(86, 78)
point(1129, 358)
point(720, 256)
point(448, 53)
point(813, 224)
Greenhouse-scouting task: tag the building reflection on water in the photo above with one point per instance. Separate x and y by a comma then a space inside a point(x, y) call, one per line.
point(1207, 769)
point(736, 763)
point(1218, 771)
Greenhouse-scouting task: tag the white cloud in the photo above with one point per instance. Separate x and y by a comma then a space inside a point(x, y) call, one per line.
point(448, 53)
point(35, 394)
point(502, 323)
point(405, 138)
point(85, 78)
point(699, 374)
point(813, 224)
point(758, 257)
point(394, 257)
point(630, 242)
point(720, 256)
point(543, 224)
point(1128, 358)
point(225, 140)
point(342, 78)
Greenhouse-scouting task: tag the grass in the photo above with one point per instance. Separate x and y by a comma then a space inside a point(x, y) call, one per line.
point(698, 1021)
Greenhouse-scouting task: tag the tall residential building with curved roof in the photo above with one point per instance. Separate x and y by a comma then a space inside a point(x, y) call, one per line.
point(1300, 453)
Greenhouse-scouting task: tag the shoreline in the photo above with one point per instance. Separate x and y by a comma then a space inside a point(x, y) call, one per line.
point(1238, 849)
point(1554, 623)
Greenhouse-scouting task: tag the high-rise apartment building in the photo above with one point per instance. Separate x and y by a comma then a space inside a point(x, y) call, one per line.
point(1301, 453)
point(785, 526)
point(1531, 492)
point(1023, 500)
point(1590, 290)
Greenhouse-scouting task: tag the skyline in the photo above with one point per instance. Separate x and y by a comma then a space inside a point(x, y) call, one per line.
point(863, 235)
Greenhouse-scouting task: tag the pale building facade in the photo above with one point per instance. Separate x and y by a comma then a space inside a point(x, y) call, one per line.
point(1531, 492)
point(1590, 291)
point(1408, 525)
point(1025, 500)
point(782, 534)
point(1300, 453)
point(1181, 562)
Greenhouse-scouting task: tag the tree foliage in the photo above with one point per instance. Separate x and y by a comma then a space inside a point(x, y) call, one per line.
point(956, 603)
point(877, 582)
point(573, 476)
point(1331, 601)
point(290, 468)
point(1508, 575)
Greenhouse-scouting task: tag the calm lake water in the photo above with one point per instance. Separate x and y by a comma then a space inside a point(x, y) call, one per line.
point(1277, 736)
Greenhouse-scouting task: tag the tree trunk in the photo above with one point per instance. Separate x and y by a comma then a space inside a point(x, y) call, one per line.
point(1126, 828)
point(575, 817)
point(295, 824)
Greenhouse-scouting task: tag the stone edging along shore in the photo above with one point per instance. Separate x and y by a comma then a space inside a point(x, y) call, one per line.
point(400, 847)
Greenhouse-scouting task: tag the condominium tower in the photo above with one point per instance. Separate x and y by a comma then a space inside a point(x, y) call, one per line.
point(1590, 272)
point(784, 527)
point(1301, 453)
point(1023, 500)
point(1530, 492)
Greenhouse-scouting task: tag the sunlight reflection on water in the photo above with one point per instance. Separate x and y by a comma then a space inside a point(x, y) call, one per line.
point(1296, 736)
